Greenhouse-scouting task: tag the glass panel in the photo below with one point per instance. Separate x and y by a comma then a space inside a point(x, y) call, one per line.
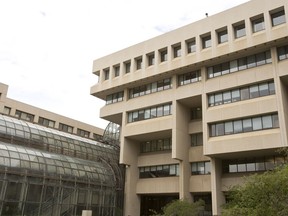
point(236, 95)
point(233, 66)
point(244, 93)
point(251, 61)
point(257, 123)
point(228, 128)
point(227, 97)
point(254, 91)
point(219, 129)
point(238, 126)
point(247, 125)
point(263, 89)
point(267, 122)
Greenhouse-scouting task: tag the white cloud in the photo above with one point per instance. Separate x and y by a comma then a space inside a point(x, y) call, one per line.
point(47, 46)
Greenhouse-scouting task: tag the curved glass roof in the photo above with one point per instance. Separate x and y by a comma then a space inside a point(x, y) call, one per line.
point(22, 159)
point(112, 134)
point(31, 146)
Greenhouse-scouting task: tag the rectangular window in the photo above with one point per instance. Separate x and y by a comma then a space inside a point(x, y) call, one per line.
point(222, 36)
point(127, 67)
point(163, 55)
point(206, 41)
point(83, 133)
point(191, 46)
point(46, 122)
point(65, 128)
point(282, 53)
point(138, 63)
point(151, 59)
point(7, 110)
point(177, 51)
point(106, 74)
point(116, 71)
point(197, 139)
point(201, 168)
point(239, 30)
point(278, 17)
point(258, 24)
point(24, 116)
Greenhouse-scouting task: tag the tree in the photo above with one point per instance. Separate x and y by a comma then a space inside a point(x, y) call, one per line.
point(261, 194)
point(182, 208)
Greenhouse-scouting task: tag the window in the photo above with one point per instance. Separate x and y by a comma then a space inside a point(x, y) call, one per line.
point(177, 50)
point(46, 122)
point(65, 128)
point(114, 98)
point(222, 36)
point(127, 67)
point(190, 77)
point(196, 113)
point(24, 116)
point(252, 164)
point(197, 139)
point(244, 93)
point(97, 137)
point(159, 171)
point(151, 59)
point(239, 64)
point(191, 46)
point(150, 88)
point(278, 16)
point(83, 133)
point(151, 112)
point(116, 71)
point(206, 41)
point(163, 55)
point(201, 168)
point(156, 145)
point(282, 52)
point(244, 125)
point(258, 24)
point(106, 74)
point(138, 63)
point(239, 30)
point(7, 110)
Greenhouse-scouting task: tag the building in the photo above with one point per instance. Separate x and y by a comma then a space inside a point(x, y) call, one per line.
point(200, 106)
point(54, 165)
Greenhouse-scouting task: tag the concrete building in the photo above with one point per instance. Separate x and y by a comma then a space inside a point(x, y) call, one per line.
point(200, 106)
point(53, 165)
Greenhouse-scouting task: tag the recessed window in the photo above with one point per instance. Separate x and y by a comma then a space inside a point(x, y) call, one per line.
point(278, 17)
point(116, 71)
point(191, 45)
point(127, 67)
point(239, 30)
point(7, 110)
point(138, 63)
point(222, 36)
point(163, 55)
point(151, 59)
point(177, 51)
point(106, 74)
point(258, 24)
point(206, 41)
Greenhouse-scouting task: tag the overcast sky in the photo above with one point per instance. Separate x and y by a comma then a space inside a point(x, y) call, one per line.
point(47, 46)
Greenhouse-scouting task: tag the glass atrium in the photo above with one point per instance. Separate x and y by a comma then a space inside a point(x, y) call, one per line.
point(48, 172)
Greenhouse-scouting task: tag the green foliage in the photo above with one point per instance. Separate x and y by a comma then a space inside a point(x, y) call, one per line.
point(262, 194)
point(182, 208)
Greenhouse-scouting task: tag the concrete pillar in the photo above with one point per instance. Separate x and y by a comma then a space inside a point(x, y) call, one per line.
point(218, 198)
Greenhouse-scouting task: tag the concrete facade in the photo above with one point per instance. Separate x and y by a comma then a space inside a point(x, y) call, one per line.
point(221, 81)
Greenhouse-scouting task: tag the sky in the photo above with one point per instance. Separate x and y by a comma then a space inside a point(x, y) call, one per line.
point(47, 47)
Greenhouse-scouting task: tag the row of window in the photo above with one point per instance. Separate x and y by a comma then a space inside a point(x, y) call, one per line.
point(156, 145)
point(244, 125)
point(150, 88)
point(159, 171)
point(245, 93)
point(214, 71)
point(201, 168)
point(49, 123)
point(150, 112)
point(252, 164)
point(257, 23)
point(239, 64)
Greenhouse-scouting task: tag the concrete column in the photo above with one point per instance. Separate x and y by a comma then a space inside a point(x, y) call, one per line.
point(218, 198)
